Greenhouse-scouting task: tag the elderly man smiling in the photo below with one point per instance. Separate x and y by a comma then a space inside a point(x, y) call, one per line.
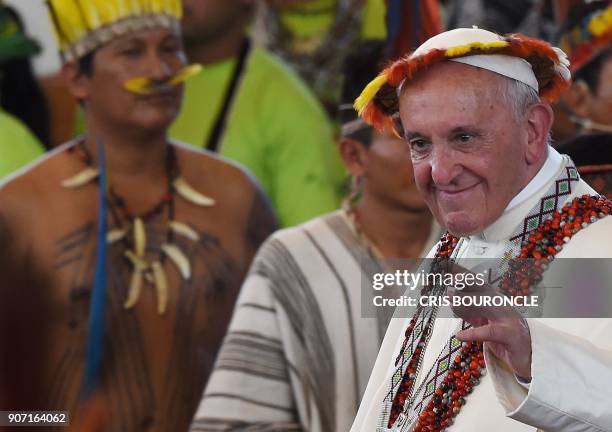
point(474, 110)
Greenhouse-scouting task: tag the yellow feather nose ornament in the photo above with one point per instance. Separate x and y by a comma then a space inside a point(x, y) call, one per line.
point(146, 86)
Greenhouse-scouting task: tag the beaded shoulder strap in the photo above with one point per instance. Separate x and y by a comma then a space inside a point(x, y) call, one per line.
point(460, 366)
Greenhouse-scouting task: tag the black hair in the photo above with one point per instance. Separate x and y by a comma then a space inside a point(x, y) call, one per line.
point(361, 66)
point(86, 63)
point(589, 149)
point(21, 95)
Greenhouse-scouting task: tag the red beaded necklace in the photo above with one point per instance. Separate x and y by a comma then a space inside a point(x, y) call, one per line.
point(548, 239)
point(524, 272)
point(117, 202)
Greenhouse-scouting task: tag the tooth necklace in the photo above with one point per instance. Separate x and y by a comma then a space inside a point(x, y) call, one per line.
point(132, 234)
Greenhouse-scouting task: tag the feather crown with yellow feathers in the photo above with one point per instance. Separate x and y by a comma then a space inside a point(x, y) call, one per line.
point(82, 26)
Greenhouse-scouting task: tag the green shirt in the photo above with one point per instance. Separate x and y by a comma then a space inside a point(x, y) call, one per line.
point(274, 127)
point(18, 146)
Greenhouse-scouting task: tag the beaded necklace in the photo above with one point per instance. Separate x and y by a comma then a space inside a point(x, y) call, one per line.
point(525, 271)
point(129, 228)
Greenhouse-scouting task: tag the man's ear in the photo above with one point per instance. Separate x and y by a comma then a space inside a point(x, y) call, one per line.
point(578, 98)
point(353, 154)
point(539, 120)
point(76, 81)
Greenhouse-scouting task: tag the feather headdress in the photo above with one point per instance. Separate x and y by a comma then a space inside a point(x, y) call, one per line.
point(81, 26)
point(591, 34)
point(525, 59)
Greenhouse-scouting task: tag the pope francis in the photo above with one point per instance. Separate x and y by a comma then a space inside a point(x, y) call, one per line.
point(473, 107)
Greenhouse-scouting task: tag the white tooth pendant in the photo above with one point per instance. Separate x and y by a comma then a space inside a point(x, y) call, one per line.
point(135, 287)
point(161, 286)
point(185, 190)
point(178, 258)
point(140, 238)
point(82, 178)
point(114, 236)
point(139, 268)
point(185, 230)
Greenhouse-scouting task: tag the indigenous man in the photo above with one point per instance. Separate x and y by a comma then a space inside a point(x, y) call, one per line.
point(316, 36)
point(489, 176)
point(299, 352)
point(182, 226)
point(251, 108)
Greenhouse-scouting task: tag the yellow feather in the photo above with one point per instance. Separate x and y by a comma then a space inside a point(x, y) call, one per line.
point(90, 13)
point(107, 12)
point(136, 7)
point(145, 7)
point(169, 4)
point(70, 23)
point(369, 92)
point(460, 50)
point(177, 8)
point(185, 73)
point(59, 37)
point(602, 23)
point(157, 6)
point(145, 86)
point(457, 50)
point(122, 8)
point(139, 85)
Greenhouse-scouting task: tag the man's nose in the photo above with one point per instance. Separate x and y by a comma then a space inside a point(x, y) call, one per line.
point(160, 70)
point(444, 166)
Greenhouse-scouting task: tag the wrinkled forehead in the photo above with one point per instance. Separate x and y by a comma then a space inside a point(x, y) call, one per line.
point(451, 96)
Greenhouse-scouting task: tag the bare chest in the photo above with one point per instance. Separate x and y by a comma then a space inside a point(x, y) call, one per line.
point(152, 358)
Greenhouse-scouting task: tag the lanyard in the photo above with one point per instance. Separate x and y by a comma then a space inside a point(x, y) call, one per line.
point(214, 138)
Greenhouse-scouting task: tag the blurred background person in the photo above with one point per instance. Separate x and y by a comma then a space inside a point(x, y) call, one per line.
point(20, 93)
point(587, 38)
point(584, 124)
point(315, 36)
point(249, 107)
point(22, 107)
point(536, 18)
point(299, 352)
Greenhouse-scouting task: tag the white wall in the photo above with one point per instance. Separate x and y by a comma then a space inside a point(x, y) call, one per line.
point(36, 19)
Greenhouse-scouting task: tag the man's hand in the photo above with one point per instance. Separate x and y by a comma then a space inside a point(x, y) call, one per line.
point(502, 328)
point(508, 339)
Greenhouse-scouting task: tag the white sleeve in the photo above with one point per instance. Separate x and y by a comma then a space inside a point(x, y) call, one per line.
point(571, 378)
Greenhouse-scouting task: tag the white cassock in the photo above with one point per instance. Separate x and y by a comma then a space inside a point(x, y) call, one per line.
point(571, 387)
